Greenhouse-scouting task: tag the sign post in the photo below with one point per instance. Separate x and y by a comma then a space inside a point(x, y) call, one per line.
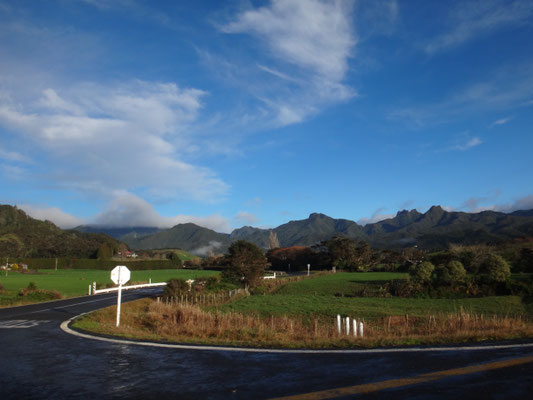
point(120, 275)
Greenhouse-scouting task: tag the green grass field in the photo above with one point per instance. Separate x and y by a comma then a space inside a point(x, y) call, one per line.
point(340, 284)
point(76, 282)
point(323, 297)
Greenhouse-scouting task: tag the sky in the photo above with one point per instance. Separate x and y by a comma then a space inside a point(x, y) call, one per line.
point(233, 113)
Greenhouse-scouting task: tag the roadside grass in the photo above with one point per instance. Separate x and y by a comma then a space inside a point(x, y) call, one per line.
point(72, 283)
point(149, 320)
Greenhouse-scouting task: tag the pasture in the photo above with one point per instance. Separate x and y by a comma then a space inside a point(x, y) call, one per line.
point(72, 283)
point(326, 296)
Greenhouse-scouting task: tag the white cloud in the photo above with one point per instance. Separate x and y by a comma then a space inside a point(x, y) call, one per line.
point(246, 218)
point(310, 40)
point(53, 214)
point(128, 210)
point(120, 137)
point(471, 19)
point(314, 34)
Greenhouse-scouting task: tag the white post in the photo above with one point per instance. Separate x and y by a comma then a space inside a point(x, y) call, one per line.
point(354, 327)
point(361, 329)
point(308, 269)
point(339, 327)
point(150, 280)
point(90, 287)
point(119, 297)
point(274, 275)
point(347, 325)
point(94, 287)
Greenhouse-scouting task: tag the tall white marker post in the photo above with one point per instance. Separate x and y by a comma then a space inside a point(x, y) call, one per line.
point(120, 275)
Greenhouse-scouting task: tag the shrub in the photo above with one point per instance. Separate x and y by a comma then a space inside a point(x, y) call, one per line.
point(497, 268)
point(452, 273)
point(175, 287)
point(421, 273)
point(456, 271)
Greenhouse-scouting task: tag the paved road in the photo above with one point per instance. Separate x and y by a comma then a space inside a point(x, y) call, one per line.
point(38, 360)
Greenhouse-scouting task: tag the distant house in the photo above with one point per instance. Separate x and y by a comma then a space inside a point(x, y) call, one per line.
point(128, 254)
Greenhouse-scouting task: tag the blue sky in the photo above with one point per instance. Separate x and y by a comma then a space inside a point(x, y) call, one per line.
point(131, 112)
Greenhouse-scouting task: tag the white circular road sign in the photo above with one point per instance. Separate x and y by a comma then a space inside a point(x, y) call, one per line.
point(120, 274)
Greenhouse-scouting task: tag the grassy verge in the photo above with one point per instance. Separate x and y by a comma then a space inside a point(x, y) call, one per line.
point(302, 314)
point(149, 320)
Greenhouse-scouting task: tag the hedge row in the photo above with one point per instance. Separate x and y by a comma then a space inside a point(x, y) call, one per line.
point(88, 263)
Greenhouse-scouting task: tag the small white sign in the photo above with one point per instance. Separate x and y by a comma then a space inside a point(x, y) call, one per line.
point(120, 275)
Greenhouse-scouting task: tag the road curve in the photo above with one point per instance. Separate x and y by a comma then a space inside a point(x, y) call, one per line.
point(39, 360)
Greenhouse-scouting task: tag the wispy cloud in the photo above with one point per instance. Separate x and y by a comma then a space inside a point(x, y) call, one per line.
point(131, 135)
point(211, 248)
point(312, 41)
point(472, 142)
point(247, 218)
point(471, 19)
point(488, 203)
point(377, 216)
point(13, 156)
point(501, 121)
point(505, 88)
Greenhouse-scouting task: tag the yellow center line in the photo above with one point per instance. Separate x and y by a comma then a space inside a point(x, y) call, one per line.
point(393, 383)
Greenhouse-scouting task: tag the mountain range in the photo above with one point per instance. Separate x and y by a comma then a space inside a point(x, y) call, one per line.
point(434, 230)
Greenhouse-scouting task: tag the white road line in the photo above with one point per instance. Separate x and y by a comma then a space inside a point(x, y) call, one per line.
point(21, 323)
point(65, 328)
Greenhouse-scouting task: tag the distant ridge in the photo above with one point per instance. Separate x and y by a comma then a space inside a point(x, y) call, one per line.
point(23, 236)
point(435, 229)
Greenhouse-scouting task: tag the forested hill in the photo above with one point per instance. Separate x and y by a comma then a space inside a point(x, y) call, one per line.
point(23, 236)
point(436, 229)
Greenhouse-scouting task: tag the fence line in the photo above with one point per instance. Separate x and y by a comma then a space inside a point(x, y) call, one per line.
point(203, 299)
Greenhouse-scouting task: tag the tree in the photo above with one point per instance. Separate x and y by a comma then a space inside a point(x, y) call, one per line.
point(173, 256)
point(497, 268)
point(525, 260)
point(104, 252)
point(273, 240)
point(421, 273)
point(246, 264)
point(342, 252)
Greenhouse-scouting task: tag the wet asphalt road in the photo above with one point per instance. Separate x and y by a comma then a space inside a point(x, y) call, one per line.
point(40, 361)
